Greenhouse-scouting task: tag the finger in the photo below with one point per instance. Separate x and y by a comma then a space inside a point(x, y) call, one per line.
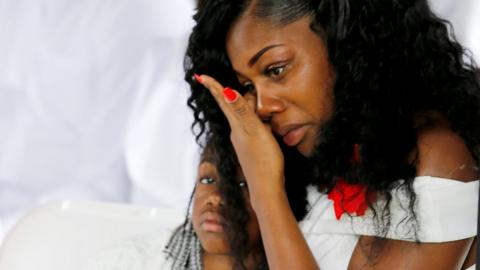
point(251, 101)
point(245, 115)
point(234, 105)
point(216, 89)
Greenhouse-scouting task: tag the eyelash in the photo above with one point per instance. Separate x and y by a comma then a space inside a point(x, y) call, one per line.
point(269, 72)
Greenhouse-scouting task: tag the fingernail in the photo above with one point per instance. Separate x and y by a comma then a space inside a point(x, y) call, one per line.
point(229, 94)
point(198, 78)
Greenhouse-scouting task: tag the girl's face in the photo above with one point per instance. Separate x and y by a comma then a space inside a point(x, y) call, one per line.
point(208, 223)
point(287, 69)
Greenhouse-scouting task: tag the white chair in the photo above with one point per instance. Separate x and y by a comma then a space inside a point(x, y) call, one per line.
point(64, 235)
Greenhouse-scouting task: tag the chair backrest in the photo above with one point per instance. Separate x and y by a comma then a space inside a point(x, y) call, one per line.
point(64, 235)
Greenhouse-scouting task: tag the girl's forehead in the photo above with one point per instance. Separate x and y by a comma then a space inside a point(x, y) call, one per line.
point(207, 165)
point(209, 154)
point(208, 159)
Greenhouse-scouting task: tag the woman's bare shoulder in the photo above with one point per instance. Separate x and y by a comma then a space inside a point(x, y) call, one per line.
point(443, 153)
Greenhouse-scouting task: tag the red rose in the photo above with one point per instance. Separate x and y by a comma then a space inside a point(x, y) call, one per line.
point(349, 198)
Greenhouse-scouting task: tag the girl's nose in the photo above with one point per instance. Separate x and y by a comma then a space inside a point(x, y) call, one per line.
point(214, 198)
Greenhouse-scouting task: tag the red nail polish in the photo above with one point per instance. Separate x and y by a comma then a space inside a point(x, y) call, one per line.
point(229, 94)
point(198, 78)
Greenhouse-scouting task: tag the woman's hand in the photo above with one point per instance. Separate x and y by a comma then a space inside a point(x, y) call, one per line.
point(262, 163)
point(257, 150)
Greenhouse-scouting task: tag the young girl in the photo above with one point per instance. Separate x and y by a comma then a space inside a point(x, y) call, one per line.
point(206, 238)
point(212, 237)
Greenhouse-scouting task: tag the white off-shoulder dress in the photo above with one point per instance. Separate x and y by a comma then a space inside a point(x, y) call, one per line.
point(446, 211)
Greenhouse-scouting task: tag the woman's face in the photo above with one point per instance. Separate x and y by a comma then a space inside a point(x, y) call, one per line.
point(287, 69)
point(208, 223)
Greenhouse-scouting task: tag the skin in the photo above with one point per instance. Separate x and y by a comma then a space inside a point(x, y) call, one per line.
point(206, 203)
point(444, 154)
point(277, 80)
point(302, 93)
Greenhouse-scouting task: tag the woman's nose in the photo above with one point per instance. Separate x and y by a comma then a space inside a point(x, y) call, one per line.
point(268, 104)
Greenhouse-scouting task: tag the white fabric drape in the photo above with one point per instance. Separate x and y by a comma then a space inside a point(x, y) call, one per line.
point(73, 77)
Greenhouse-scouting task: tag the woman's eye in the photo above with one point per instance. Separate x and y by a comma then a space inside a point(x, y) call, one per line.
point(275, 71)
point(248, 87)
point(207, 180)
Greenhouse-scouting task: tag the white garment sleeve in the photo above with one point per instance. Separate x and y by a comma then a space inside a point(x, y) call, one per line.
point(446, 211)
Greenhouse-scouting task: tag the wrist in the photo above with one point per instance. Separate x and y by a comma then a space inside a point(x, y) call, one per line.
point(268, 197)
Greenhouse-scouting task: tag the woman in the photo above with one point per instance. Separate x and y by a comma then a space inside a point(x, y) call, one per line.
point(380, 100)
point(213, 237)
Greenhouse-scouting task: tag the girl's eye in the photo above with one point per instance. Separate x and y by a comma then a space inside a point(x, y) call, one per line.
point(275, 71)
point(207, 180)
point(242, 184)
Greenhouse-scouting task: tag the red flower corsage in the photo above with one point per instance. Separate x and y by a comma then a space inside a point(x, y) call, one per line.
point(349, 198)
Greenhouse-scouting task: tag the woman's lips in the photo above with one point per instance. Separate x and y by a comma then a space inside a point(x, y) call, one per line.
point(295, 136)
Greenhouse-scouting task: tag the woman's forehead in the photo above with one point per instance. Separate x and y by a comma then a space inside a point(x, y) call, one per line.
point(249, 35)
point(248, 28)
point(251, 19)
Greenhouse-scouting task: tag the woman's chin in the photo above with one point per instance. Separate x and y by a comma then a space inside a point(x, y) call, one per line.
point(305, 149)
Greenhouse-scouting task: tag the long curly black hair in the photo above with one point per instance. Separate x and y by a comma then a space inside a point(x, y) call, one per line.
point(393, 60)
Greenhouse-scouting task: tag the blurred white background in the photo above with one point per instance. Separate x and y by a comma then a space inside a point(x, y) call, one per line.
point(93, 103)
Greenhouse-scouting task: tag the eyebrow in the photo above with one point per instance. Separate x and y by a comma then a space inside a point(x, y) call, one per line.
point(259, 54)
